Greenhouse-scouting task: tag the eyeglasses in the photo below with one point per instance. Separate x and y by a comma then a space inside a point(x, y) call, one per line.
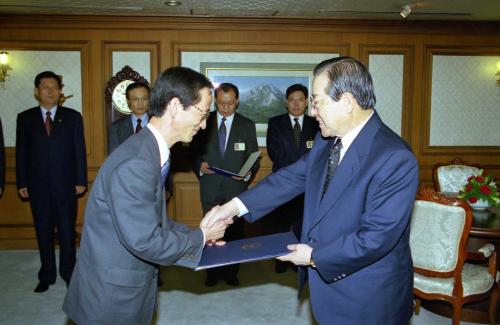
point(204, 115)
point(314, 102)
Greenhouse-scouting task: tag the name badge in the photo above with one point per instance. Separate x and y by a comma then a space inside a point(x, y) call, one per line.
point(239, 146)
point(309, 144)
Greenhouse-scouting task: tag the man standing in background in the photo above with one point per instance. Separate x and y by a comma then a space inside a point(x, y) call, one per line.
point(289, 136)
point(227, 143)
point(137, 95)
point(51, 170)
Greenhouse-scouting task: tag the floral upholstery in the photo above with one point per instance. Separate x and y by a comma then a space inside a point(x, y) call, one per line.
point(475, 279)
point(451, 178)
point(435, 235)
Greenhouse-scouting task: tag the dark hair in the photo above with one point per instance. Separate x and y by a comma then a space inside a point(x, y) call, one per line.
point(348, 75)
point(226, 87)
point(135, 85)
point(297, 87)
point(47, 75)
point(176, 82)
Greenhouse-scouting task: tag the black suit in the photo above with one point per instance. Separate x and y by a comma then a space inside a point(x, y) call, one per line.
point(50, 167)
point(2, 160)
point(283, 151)
point(216, 189)
point(119, 132)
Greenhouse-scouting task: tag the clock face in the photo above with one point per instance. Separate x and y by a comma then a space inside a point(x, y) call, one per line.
point(119, 99)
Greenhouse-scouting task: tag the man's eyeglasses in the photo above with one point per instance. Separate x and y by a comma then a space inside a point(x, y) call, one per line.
point(204, 115)
point(314, 102)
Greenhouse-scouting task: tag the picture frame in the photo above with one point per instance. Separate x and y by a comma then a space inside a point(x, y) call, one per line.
point(262, 87)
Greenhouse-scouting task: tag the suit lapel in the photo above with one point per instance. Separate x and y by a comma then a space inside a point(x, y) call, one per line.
point(348, 168)
point(287, 128)
point(57, 122)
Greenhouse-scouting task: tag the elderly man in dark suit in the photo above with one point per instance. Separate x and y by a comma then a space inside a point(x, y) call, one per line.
point(360, 183)
point(51, 168)
point(127, 234)
point(137, 95)
point(227, 143)
point(289, 136)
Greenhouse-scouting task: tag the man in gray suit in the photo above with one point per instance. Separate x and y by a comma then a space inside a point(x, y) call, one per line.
point(226, 143)
point(127, 234)
point(137, 95)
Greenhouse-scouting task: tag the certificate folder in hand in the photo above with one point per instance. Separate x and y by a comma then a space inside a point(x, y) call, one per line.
point(246, 250)
point(243, 171)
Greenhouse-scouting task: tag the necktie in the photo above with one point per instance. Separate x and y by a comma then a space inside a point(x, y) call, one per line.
point(48, 123)
point(222, 136)
point(139, 126)
point(333, 162)
point(296, 131)
point(164, 171)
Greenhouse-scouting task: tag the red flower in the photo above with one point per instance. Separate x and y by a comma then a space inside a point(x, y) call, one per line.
point(468, 188)
point(470, 178)
point(479, 179)
point(485, 189)
point(472, 200)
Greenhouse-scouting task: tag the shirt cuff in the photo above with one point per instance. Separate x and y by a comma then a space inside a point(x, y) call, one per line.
point(242, 209)
point(204, 238)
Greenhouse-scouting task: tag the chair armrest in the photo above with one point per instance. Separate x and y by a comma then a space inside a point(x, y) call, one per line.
point(482, 253)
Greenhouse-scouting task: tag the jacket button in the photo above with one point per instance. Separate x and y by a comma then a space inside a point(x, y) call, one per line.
point(311, 240)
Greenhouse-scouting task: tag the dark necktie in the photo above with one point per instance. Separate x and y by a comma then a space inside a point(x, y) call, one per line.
point(296, 131)
point(48, 123)
point(222, 136)
point(139, 125)
point(333, 162)
point(164, 171)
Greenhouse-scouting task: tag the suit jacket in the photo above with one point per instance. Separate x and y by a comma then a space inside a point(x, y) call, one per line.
point(359, 231)
point(120, 131)
point(58, 162)
point(2, 159)
point(125, 235)
point(218, 188)
point(281, 145)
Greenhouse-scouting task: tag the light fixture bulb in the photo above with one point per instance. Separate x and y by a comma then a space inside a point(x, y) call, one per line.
point(405, 11)
point(173, 3)
point(4, 58)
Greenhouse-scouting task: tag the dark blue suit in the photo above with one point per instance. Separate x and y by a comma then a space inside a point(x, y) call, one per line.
point(359, 230)
point(51, 167)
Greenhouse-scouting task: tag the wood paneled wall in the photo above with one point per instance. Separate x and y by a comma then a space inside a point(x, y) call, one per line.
point(166, 38)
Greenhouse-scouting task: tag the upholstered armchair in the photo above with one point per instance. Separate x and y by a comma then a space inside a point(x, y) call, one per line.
point(439, 230)
point(451, 176)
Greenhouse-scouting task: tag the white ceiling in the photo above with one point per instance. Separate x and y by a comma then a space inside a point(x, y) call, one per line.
point(314, 9)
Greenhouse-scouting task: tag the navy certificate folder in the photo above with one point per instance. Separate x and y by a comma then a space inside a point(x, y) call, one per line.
point(246, 250)
point(243, 171)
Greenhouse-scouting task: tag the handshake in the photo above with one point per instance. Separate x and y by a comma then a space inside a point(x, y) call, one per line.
point(216, 221)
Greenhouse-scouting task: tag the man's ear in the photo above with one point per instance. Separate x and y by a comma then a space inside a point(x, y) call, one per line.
point(173, 107)
point(349, 101)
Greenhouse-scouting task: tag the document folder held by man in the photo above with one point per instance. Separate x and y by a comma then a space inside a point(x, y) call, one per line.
point(246, 250)
point(244, 169)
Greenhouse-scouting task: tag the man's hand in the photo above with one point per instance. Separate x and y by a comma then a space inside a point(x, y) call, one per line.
point(224, 212)
point(300, 254)
point(204, 168)
point(23, 192)
point(216, 231)
point(79, 189)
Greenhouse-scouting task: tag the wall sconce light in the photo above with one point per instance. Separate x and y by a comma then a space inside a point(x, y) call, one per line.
point(497, 75)
point(405, 11)
point(4, 65)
